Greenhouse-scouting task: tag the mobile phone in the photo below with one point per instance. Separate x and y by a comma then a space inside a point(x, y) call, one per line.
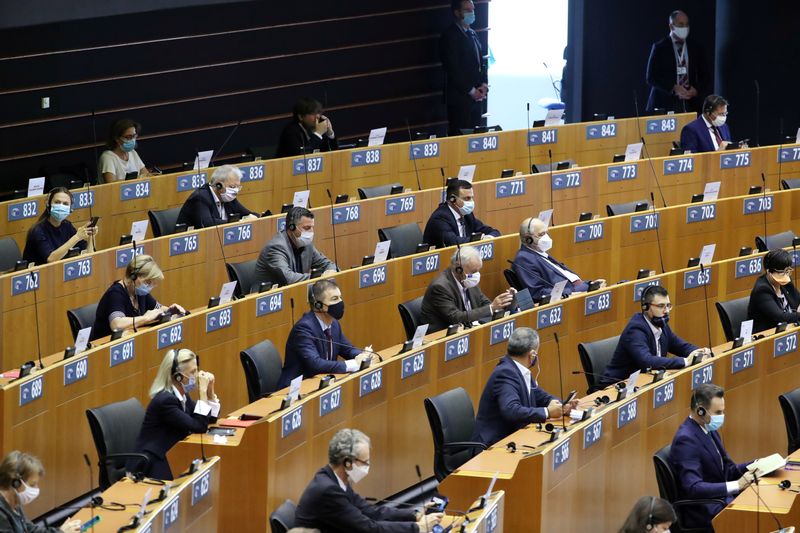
point(89, 524)
point(93, 222)
point(571, 396)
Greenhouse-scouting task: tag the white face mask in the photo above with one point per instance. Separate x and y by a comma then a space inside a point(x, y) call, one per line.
point(471, 280)
point(229, 195)
point(358, 472)
point(681, 33)
point(545, 243)
point(305, 238)
point(27, 495)
point(720, 120)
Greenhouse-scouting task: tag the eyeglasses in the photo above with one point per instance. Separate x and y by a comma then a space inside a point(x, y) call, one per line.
point(366, 463)
point(666, 306)
point(785, 272)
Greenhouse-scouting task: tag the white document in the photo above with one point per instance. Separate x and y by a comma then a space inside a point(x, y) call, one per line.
point(382, 251)
point(466, 173)
point(203, 159)
point(797, 137)
point(553, 117)
point(545, 216)
point(301, 199)
point(632, 379)
point(226, 294)
point(82, 340)
point(746, 331)
point(376, 137)
point(139, 230)
point(558, 290)
point(711, 192)
point(294, 388)
point(768, 464)
point(35, 186)
point(633, 152)
point(707, 255)
point(419, 336)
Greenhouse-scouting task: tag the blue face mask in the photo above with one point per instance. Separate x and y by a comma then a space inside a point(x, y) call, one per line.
point(189, 385)
point(469, 18)
point(128, 146)
point(716, 422)
point(143, 289)
point(59, 212)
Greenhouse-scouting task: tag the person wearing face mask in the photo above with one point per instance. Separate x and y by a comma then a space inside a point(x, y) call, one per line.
point(677, 72)
point(20, 474)
point(454, 297)
point(213, 203)
point(774, 297)
point(329, 502)
point(647, 340)
point(120, 160)
point(512, 398)
point(465, 69)
point(650, 515)
point(291, 255)
point(172, 414)
point(702, 467)
point(127, 303)
point(454, 221)
point(316, 341)
point(708, 132)
point(536, 269)
point(52, 236)
point(308, 132)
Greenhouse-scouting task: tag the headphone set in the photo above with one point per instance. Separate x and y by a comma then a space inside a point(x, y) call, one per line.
point(135, 271)
point(348, 461)
point(176, 375)
point(529, 238)
point(17, 481)
point(701, 411)
point(647, 290)
point(313, 301)
point(649, 525)
point(458, 268)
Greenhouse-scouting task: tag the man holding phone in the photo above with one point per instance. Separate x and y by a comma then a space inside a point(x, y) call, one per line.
point(512, 398)
point(308, 132)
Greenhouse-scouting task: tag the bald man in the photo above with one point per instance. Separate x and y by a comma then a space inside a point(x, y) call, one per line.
point(539, 271)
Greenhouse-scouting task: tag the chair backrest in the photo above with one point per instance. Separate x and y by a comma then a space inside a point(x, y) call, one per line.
point(404, 237)
point(452, 419)
point(115, 427)
point(731, 314)
point(665, 477)
point(9, 254)
point(244, 275)
point(595, 357)
point(512, 279)
point(410, 312)
point(791, 183)
point(778, 240)
point(790, 405)
point(625, 208)
point(81, 317)
point(378, 190)
point(163, 221)
point(262, 369)
point(282, 519)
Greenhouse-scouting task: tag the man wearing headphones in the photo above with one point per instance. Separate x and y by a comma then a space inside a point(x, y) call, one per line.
point(702, 466)
point(291, 255)
point(317, 341)
point(330, 504)
point(215, 202)
point(539, 271)
point(454, 222)
point(708, 132)
point(647, 339)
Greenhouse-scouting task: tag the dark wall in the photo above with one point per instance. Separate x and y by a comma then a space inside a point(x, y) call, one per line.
point(189, 74)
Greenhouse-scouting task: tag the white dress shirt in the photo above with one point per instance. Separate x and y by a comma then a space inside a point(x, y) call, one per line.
point(526, 377)
point(351, 364)
point(201, 407)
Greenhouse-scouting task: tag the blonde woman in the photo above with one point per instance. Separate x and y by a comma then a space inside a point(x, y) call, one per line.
point(172, 414)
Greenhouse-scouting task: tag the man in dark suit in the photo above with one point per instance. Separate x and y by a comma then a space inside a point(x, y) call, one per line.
point(512, 398)
point(454, 297)
point(647, 339)
point(330, 504)
point(537, 269)
point(676, 70)
point(453, 222)
point(466, 80)
point(215, 202)
point(316, 340)
point(774, 297)
point(308, 132)
point(290, 256)
point(702, 466)
point(708, 132)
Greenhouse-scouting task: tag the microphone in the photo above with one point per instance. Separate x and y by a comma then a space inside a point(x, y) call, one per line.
point(780, 149)
point(94, 141)
point(333, 229)
point(552, 81)
point(763, 207)
point(413, 156)
point(758, 111)
point(528, 140)
point(444, 183)
point(794, 259)
point(94, 242)
point(222, 251)
point(658, 236)
point(653, 170)
point(133, 256)
point(305, 171)
point(91, 482)
point(560, 379)
point(36, 316)
point(705, 301)
point(760, 501)
point(610, 385)
point(224, 144)
point(291, 306)
point(553, 214)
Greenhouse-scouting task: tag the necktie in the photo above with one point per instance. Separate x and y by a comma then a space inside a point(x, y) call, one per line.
point(461, 228)
point(717, 135)
point(477, 44)
point(329, 347)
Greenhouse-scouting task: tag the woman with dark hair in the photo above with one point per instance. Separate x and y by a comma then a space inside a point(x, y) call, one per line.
point(774, 297)
point(650, 515)
point(53, 235)
point(120, 158)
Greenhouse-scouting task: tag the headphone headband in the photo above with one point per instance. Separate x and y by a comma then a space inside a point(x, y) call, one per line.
point(529, 238)
point(176, 375)
point(649, 525)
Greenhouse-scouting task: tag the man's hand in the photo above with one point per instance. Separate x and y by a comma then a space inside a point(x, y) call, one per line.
point(329, 130)
point(427, 522)
point(746, 479)
point(724, 144)
point(680, 92)
point(329, 272)
point(502, 300)
point(250, 217)
point(603, 284)
point(321, 128)
point(71, 526)
point(691, 92)
point(554, 409)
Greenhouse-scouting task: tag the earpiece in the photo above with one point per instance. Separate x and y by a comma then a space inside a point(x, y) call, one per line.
point(644, 302)
point(219, 186)
point(459, 269)
point(529, 238)
point(701, 411)
point(16, 482)
point(601, 400)
point(176, 375)
point(649, 525)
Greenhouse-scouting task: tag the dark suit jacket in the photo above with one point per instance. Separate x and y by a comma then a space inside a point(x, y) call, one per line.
point(696, 137)
point(442, 304)
point(325, 506)
point(701, 471)
point(527, 262)
point(463, 70)
point(662, 76)
point(165, 423)
point(507, 405)
point(295, 137)
point(305, 350)
point(200, 210)
point(441, 229)
point(765, 309)
point(276, 263)
point(637, 350)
